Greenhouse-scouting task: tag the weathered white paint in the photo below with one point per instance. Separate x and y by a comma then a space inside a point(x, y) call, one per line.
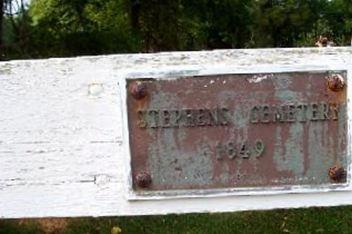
point(63, 136)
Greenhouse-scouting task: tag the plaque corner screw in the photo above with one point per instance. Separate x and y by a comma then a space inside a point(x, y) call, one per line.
point(336, 82)
point(143, 179)
point(337, 173)
point(138, 89)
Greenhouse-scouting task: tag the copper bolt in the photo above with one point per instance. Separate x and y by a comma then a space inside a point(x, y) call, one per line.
point(143, 179)
point(337, 173)
point(138, 90)
point(336, 82)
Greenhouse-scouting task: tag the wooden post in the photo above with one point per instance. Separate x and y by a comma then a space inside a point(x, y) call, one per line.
point(64, 147)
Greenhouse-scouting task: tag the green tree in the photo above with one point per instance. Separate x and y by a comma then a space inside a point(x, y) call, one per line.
point(157, 23)
point(281, 23)
point(220, 24)
point(76, 27)
point(15, 29)
point(190, 25)
point(1, 22)
point(339, 16)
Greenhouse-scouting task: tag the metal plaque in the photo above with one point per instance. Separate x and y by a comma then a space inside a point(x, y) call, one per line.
point(238, 131)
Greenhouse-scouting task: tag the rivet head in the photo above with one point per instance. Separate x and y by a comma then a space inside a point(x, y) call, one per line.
point(337, 173)
point(336, 82)
point(143, 179)
point(138, 89)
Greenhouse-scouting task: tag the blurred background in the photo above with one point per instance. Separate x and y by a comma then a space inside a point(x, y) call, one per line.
point(57, 28)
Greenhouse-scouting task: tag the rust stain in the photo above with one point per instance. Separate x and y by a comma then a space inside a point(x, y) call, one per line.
point(337, 174)
point(336, 82)
point(237, 131)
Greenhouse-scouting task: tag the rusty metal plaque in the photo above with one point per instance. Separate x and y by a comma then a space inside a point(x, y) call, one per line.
point(238, 132)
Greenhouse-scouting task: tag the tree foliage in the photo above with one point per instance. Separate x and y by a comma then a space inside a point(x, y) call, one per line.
point(14, 27)
point(78, 27)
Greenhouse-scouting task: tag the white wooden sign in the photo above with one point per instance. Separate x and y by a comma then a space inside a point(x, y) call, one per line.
point(64, 138)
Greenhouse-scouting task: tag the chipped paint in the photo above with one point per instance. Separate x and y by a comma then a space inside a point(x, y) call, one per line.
point(95, 89)
point(259, 78)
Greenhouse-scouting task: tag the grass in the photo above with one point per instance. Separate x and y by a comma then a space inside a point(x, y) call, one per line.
point(312, 220)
